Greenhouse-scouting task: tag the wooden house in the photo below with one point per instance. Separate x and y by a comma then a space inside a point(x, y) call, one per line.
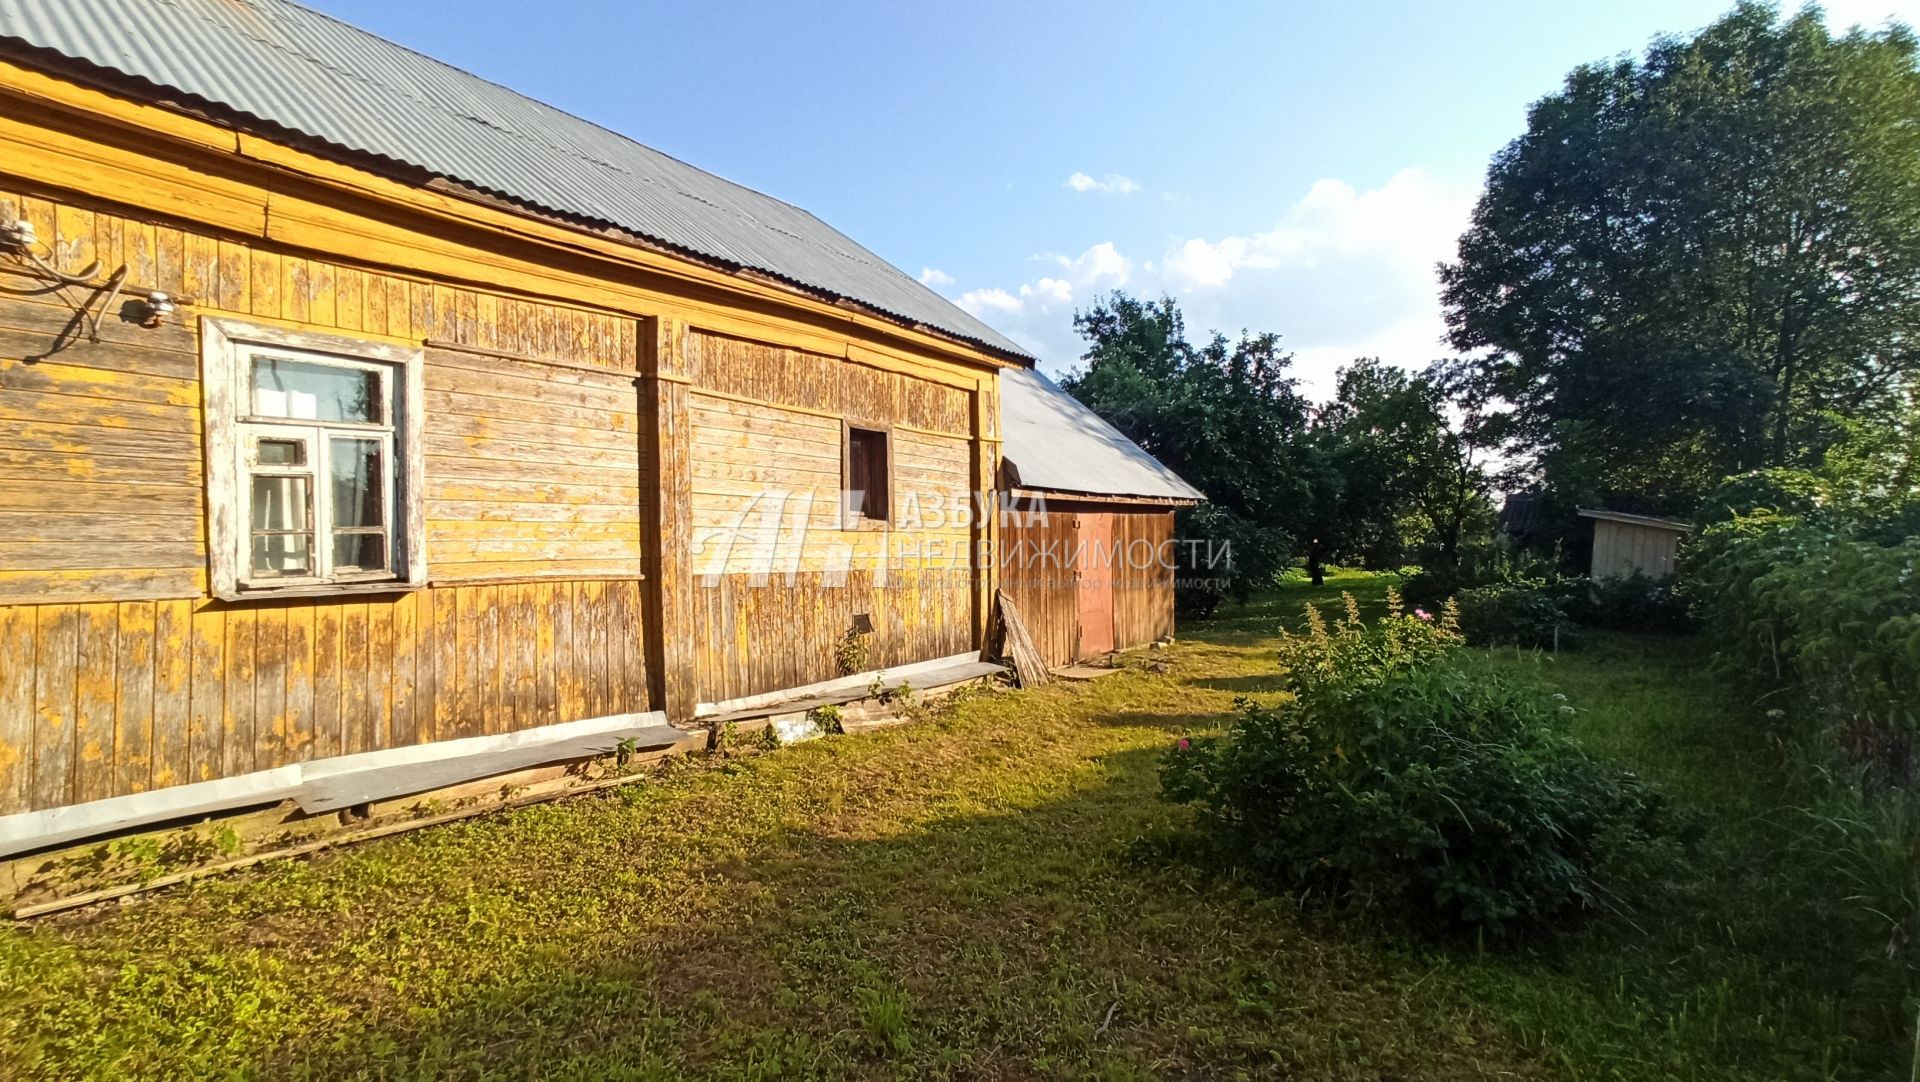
point(358, 415)
point(1089, 554)
point(1625, 545)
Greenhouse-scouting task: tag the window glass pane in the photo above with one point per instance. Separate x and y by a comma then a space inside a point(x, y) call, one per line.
point(280, 503)
point(281, 452)
point(281, 554)
point(856, 473)
point(867, 472)
point(282, 543)
point(315, 392)
point(359, 552)
point(359, 483)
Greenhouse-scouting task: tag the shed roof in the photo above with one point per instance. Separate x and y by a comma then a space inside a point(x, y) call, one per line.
point(277, 65)
point(1053, 442)
point(1638, 520)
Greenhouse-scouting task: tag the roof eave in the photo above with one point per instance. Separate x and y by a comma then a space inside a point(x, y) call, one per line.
point(1035, 492)
point(1636, 520)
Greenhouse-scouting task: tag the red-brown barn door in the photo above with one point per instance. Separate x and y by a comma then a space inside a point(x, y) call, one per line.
point(1097, 572)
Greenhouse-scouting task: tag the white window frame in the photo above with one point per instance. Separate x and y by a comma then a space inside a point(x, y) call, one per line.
point(227, 348)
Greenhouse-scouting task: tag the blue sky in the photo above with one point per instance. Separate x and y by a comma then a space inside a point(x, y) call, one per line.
point(1295, 167)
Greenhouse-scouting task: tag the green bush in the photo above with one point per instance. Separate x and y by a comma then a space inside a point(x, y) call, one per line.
point(1514, 598)
point(1431, 586)
point(1814, 600)
point(1633, 602)
point(1404, 780)
point(1224, 556)
point(1515, 614)
point(1803, 604)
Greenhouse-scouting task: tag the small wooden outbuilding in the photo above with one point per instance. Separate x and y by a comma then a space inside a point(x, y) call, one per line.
point(1625, 544)
point(1088, 552)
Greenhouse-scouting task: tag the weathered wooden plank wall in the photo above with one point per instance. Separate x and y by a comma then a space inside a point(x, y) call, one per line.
point(531, 470)
point(1043, 559)
point(104, 699)
point(763, 634)
point(1143, 592)
point(777, 580)
point(118, 674)
point(1622, 548)
point(1039, 573)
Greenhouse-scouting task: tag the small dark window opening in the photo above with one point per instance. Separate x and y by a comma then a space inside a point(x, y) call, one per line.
point(866, 494)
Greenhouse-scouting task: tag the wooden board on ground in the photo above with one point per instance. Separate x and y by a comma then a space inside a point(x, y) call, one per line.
point(90, 872)
point(360, 787)
point(960, 672)
point(1084, 672)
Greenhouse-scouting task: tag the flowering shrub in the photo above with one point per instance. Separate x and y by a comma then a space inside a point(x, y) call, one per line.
point(1405, 779)
point(1349, 649)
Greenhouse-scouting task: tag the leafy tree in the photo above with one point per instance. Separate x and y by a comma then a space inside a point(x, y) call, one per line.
point(1694, 264)
point(1373, 439)
point(1224, 415)
point(1396, 480)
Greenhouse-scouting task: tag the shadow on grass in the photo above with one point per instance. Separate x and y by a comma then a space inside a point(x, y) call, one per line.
point(1024, 944)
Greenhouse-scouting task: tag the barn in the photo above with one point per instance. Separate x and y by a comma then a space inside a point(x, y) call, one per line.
point(1088, 554)
point(362, 420)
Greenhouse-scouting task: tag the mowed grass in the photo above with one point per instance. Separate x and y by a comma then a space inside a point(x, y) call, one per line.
point(962, 898)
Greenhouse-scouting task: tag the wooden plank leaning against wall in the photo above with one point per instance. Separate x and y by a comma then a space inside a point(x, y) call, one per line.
point(121, 675)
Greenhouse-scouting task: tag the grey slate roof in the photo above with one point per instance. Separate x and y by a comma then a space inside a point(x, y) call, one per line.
point(1053, 442)
point(304, 73)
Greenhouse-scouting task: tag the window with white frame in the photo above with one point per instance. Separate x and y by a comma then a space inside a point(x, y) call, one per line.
point(313, 461)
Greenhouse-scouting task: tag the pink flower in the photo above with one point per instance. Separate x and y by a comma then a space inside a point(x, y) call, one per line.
point(1423, 614)
point(1184, 744)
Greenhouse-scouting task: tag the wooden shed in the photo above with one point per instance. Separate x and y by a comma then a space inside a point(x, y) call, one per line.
point(1088, 552)
point(357, 413)
point(1624, 544)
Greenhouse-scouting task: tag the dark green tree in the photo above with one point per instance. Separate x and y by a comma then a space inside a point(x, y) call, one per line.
point(1699, 262)
point(1224, 415)
point(1397, 481)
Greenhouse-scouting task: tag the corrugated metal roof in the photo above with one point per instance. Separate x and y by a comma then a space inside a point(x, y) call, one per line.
point(314, 76)
point(1053, 442)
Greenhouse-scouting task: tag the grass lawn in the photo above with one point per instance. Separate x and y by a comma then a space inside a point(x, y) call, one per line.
point(959, 898)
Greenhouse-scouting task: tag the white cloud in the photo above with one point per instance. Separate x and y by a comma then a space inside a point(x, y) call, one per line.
point(1342, 273)
point(1101, 266)
point(1035, 299)
point(933, 276)
point(985, 302)
point(1048, 292)
point(1411, 220)
point(1111, 184)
